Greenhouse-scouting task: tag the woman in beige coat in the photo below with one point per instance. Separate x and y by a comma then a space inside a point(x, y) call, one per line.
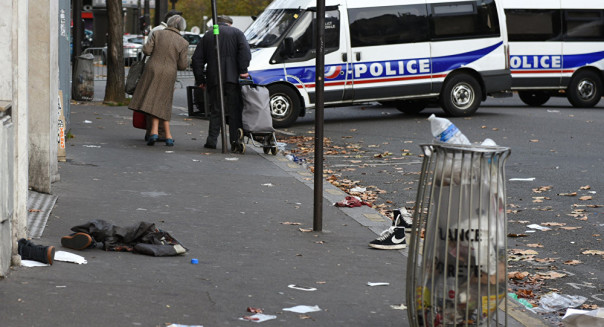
point(155, 90)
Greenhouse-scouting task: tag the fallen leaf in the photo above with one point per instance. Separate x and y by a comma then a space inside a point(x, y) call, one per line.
point(290, 223)
point(542, 189)
point(570, 228)
point(517, 235)
point(517, 275)
point(586, 187)
point(594, 252)
point(535, 245)
point(551, 275)
point(523, 252)
point(35, 210)
point(305, 230)
point(568, 194)
point(572, 262)
point(589, 306)
point(545, 260)
point(585, 198)
point(254, 310)
point(551, 224)
point(534, 141)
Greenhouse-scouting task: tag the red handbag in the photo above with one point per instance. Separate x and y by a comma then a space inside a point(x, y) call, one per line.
point(139, 120)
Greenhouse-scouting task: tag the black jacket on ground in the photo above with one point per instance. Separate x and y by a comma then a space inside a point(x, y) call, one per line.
point(235, 56)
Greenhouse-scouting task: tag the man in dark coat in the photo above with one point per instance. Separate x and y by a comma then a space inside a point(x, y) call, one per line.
point(235, 59)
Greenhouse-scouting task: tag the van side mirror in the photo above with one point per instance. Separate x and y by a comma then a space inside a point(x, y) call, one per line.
point(288, 47)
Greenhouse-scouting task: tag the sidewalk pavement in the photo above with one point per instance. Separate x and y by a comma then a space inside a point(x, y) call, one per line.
point(231, 211)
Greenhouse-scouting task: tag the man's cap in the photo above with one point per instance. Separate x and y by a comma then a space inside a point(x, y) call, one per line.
point(224, 19)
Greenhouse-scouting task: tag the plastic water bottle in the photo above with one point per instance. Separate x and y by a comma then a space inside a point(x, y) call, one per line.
point(445, 131)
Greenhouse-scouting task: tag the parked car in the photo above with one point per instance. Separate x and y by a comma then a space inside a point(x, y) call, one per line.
point(133, 48)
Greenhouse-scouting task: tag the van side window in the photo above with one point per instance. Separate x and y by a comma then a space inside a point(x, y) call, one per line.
point(388, 25)
point(533, 24)
point(455, 20)
point(584, 25)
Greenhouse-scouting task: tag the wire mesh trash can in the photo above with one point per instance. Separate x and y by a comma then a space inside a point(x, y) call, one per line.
point(82, 87)
point(457, 269)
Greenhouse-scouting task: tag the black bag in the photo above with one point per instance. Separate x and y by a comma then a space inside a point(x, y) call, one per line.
point(134, 75)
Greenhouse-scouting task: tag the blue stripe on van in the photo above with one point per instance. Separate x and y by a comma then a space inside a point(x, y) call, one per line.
point(376, 70)
point(579, 60)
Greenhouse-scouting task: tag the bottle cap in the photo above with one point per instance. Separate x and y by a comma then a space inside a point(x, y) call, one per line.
point(194, 261)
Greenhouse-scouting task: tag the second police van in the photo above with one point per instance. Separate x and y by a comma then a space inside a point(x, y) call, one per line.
point(406, 53)
point(556, 49)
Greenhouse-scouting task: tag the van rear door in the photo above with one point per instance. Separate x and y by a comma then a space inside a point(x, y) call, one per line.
point(535, 38)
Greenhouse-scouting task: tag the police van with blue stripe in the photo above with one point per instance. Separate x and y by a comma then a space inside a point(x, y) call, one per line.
point(405, 53)
point(556, 49)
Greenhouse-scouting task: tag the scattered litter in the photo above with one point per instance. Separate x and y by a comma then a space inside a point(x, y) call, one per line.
point(259, 317)
point(91, 146)
point(303, 309)
point(32, 263)
point(301, 288)
point(231, 159)
point(179, 325)
point(351, 202)
point(552, 110)
point(522, 301)
point(268, 184)
point(196, 160)
point(530, 179)
point(398, 307)
point(539, 227)
point(254, 310)
point(583, 318)
point(377, 284)
point(169, 151)
point(358, 189)
point(70, 257)
point(141, 209)
point(61, 286)
point(194, 261)
point(553, 301)
point(87, 122)
point(281, 146)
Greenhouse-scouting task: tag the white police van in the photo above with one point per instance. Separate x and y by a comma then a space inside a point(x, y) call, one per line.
point(402, 52)
point(556, 49)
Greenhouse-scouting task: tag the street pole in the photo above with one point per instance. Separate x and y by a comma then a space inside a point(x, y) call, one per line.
point(225, 144)
point(319, 106)
point(77, 28)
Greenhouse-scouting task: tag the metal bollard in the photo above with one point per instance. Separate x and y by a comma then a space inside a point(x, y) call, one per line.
point(457, 265)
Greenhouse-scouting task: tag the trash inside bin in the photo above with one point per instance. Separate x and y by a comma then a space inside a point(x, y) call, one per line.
point(82, 82)
point(457, 272)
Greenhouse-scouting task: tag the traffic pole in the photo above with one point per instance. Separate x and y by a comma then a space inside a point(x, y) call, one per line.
point(319, 117)
point(225, 144)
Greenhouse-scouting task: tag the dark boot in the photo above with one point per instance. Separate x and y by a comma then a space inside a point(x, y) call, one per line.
point(30, 251)
point(77, 241)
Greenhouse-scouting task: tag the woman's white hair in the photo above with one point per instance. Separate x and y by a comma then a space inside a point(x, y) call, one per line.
point(177, 22)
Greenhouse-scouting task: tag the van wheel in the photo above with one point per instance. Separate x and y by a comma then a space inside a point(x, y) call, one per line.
point(411, 107)
point(585, 89)
point(285, 105)
point(533, 98)
point(461, 95)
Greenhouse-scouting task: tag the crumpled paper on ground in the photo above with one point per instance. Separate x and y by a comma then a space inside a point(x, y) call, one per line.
point(583, 318)
point(303, 309)
point(70, 257)
point(32, 263)
point(351, 202)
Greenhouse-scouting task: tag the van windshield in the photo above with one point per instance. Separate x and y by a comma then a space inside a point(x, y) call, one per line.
point(270, 26)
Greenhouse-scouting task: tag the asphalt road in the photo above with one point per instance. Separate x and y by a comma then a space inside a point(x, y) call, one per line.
point(556, 150)
point(558, 146)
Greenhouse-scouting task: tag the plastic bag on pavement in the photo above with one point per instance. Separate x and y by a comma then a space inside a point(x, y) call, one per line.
point(552, 302)
point(583, 318)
